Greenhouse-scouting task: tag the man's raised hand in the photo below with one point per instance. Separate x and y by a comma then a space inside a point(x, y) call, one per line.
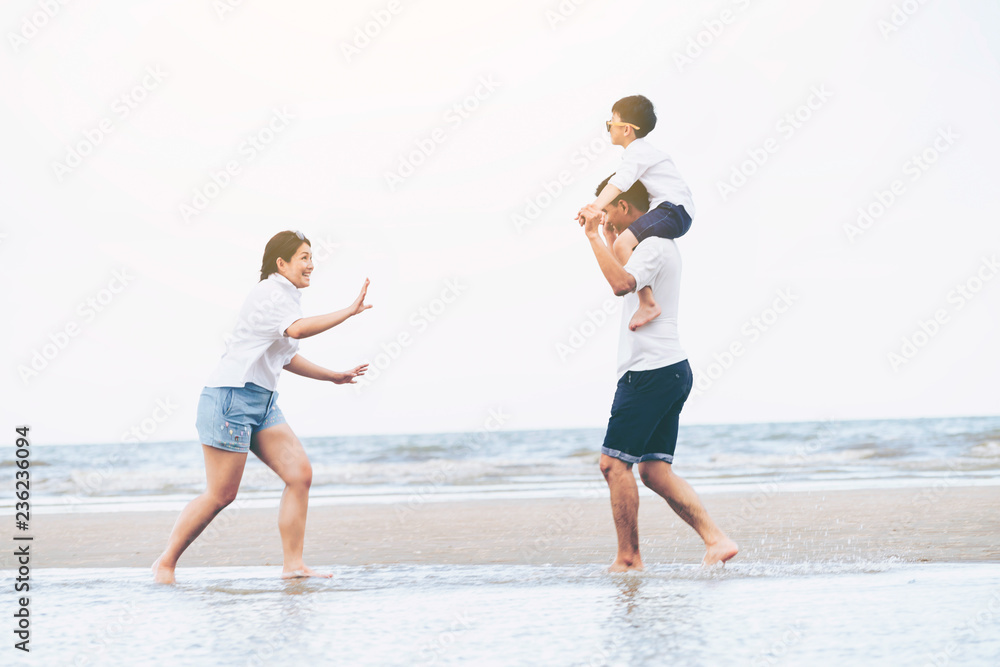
point(591, 218)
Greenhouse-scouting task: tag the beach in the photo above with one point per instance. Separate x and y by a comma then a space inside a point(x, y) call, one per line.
point(940, 524)
point(860, 543)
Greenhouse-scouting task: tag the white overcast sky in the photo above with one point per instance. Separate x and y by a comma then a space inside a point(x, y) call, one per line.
point(887, 95)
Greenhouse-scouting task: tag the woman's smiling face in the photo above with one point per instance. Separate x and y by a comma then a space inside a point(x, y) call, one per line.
point(298, 269)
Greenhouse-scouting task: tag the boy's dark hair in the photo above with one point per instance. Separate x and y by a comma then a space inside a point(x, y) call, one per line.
point(283, 245)
point(637, 195)
point(637, 110)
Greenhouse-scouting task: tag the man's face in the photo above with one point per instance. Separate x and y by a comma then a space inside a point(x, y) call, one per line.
point(620, 215)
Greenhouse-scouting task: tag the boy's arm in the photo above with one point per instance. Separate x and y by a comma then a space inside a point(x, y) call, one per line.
point(607, 196)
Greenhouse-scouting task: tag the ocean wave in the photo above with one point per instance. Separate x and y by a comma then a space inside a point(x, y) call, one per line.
point(12, 463)
point(795, 460)
point(122, 480)
point(985, 450)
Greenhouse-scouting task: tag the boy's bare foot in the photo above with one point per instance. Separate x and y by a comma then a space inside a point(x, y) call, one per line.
point(303, 572)
point(646, 314)
point(163, 575)
point(719, 552)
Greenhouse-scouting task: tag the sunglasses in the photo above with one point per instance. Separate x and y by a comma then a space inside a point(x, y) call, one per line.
point(609, 123)
point(300, 235)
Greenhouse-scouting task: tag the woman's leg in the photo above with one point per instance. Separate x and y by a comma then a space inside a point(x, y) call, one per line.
point(224, 470)
point(282, 452)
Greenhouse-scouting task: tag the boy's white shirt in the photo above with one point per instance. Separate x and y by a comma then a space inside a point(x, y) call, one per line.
point(656, 171)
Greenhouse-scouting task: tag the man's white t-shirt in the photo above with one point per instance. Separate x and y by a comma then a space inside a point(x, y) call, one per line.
point(258, 348)
point(657, 172)
point(655, 262)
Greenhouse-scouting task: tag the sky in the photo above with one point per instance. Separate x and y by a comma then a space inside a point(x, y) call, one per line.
point(842, 263)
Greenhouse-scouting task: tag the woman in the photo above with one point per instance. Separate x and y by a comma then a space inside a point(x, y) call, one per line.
point(237, 411)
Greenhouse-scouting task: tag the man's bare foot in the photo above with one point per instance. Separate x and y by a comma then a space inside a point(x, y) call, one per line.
point(645, 315)
point(303, 572)
point(624, 566)
point(163, 575)
point(719, 552)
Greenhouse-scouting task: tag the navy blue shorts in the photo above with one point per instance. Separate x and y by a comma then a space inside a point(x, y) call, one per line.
point(667, 220)
point(646, 412)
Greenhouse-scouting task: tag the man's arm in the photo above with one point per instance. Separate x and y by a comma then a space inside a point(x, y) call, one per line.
point(621, 281)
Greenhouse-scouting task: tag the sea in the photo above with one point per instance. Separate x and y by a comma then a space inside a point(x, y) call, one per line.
point(834, 612)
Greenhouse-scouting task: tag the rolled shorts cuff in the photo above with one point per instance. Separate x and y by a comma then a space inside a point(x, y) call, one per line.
point(629, 458)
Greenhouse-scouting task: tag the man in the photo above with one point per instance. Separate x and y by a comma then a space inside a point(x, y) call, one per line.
point(655, 379)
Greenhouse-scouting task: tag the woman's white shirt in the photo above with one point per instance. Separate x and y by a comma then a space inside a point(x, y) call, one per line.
point(258, 347)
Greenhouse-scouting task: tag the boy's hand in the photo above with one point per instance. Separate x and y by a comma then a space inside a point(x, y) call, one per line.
point(359, 305)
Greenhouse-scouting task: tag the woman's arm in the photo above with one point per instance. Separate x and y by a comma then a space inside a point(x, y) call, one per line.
point(304, 327)
point(302, 366)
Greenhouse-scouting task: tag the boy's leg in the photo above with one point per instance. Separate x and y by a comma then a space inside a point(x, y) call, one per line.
point(624, 245)
point(661, 221)
point(648, 308)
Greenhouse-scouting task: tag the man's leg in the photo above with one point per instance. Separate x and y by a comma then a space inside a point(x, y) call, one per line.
point(659, 476)
point(625, 509)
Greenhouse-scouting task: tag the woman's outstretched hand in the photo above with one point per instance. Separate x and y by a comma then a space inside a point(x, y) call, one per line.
point(347, 377)
point(359, 305)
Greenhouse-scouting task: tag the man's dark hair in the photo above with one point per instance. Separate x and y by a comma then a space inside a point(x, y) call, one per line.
point(637, 110)
point(637, 195)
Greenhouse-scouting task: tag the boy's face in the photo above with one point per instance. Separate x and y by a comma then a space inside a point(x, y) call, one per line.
point(617, 131)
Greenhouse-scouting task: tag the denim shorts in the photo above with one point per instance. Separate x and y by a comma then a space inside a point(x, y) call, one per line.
point(669, 221)
point(646, 413)
point(229, 416)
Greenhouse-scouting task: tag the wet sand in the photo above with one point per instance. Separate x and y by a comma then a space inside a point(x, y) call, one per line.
point(932, 524)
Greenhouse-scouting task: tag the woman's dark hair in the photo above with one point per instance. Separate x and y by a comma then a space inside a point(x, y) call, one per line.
point(283, 245)
point(637, 110)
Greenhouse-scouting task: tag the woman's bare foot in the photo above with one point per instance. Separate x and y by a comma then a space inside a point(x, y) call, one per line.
point(646, 314)
point(719, 552)
point(163, 574)
point(303, 572)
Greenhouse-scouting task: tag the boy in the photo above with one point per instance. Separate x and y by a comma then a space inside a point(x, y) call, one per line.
point(670, 205)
